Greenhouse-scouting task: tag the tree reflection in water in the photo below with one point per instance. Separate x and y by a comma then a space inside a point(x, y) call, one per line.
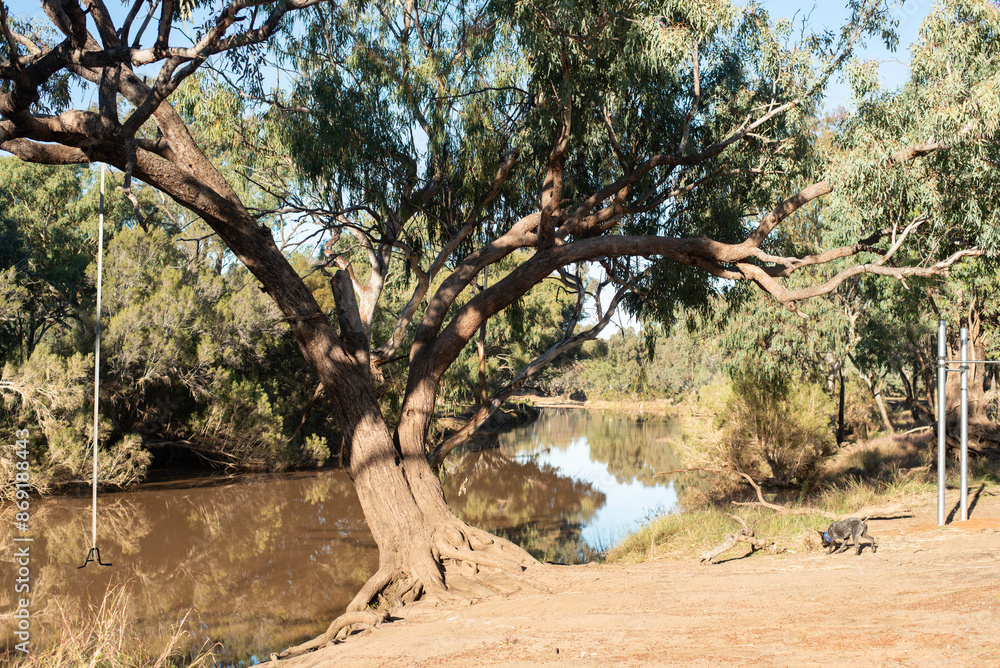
point(257, 560)
point(632, 447)
point(530, 505)
point(262, 562)
point(508, 484)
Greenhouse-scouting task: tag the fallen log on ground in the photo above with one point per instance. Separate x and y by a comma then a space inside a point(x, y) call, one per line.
point(744, 535)
point(869, 512)
point(973, 446)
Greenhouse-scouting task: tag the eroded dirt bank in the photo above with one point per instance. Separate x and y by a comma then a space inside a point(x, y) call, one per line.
point(929, 597)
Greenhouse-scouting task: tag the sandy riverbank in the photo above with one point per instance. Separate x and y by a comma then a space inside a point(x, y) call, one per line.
point(928, 597)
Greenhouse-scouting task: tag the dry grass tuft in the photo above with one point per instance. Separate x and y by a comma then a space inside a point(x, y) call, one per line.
point(689, 533)
point(103, 640)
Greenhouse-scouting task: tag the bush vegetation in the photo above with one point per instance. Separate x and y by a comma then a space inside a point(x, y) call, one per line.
point(887, 471)
point(196, 363)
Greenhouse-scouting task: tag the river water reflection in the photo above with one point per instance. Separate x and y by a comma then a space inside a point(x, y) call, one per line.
point(263, 562)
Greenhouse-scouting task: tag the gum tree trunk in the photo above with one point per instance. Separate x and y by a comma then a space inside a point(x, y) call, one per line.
point(422, 545)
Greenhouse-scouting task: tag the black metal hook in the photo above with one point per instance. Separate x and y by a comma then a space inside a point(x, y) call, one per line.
point(90, 558)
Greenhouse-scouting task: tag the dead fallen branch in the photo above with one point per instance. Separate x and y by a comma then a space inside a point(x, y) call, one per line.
point(760, 493)
point(872, 512)
point(744, 535)
point(956, 445)
point(881, 512)
point(875, 512)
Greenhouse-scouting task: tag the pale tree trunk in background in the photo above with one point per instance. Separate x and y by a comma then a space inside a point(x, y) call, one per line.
point(840, 406)
point(484, 394)
point(982, 377)
point(874, 384)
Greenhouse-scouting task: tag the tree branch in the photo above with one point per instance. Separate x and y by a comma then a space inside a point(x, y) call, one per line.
point(694, 102)
point(565, 344)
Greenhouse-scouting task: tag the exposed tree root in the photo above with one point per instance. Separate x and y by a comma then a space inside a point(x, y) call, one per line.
point(472, 588)
point(458, 562)
point(347, 622)
point(376, 583)
point(477, 559)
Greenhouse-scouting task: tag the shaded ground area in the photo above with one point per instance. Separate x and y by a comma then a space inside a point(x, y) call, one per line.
point(929, 597)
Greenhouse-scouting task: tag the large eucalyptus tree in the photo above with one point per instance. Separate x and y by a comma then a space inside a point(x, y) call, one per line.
point(667, 140)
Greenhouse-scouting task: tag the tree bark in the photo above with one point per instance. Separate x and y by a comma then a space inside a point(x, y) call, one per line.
point(484, 393)
point(880, 402)
point(873, 384)
point(910, 390)
point(840, 409)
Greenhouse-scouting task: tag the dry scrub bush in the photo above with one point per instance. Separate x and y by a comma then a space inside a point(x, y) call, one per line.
point(778, 434)
point(50, 396)
point(861, 417)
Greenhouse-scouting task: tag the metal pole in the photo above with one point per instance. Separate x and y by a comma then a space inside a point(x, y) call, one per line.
point(97, 354)
point(941, 375)
point(964, 366)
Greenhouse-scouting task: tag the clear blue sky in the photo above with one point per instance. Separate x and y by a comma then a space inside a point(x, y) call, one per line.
point(833, 14)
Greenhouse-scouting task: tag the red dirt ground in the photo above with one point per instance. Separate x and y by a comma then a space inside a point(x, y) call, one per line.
point(928, 597)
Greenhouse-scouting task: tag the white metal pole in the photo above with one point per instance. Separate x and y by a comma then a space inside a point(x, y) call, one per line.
point(97, 354)
point(965, 424)
point(941, 379)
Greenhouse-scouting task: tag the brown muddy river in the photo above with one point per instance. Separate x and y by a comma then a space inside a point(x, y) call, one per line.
point(258, 563)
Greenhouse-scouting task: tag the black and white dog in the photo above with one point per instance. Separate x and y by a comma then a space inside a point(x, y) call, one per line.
point(839, 532)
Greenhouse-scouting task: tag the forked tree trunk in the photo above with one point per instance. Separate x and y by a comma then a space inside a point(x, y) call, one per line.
point(422, 545)
point(910, 392)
